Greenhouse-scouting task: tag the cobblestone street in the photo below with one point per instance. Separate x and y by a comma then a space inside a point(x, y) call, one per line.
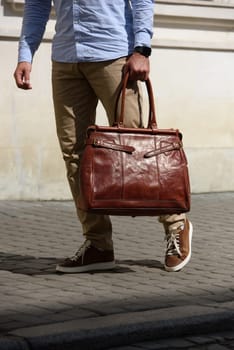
point(35, 235)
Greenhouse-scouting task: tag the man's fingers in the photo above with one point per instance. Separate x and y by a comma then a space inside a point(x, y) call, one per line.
point(22, 75)
point(27, 77)
point(18, 75)
point(138, 67)
point(138, 75)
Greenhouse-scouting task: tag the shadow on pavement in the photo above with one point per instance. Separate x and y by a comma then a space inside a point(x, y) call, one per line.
point(31, 266)
point(26, 264)
point(145, 262)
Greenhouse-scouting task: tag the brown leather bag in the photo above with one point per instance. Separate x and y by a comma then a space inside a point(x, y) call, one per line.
point(134, 171)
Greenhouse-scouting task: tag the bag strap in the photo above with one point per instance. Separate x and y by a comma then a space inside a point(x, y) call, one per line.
point(152, 124)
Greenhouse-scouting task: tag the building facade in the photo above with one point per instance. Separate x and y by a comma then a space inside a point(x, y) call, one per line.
point(192, 75)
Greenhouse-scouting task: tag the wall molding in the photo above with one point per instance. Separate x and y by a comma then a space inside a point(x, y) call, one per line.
point(203, 3)
point(187, 24)
point(16, 5)
point(186, 16)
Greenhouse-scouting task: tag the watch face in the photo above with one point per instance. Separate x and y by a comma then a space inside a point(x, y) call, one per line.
point(143, 50)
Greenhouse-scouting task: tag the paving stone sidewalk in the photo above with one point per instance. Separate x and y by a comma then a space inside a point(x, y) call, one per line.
point(35, 235)
point(211, 341)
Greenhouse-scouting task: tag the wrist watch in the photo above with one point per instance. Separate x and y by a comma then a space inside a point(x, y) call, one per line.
point(143, 50)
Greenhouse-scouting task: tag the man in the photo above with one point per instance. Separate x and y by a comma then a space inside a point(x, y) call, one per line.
point(96, 41)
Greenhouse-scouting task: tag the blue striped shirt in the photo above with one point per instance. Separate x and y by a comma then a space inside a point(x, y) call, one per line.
point(87, 30)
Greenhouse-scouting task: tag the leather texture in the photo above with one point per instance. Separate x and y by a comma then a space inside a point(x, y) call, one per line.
point(134, 171)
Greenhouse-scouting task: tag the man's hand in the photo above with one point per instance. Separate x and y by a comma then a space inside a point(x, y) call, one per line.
point(22, 75)
point(138, 67)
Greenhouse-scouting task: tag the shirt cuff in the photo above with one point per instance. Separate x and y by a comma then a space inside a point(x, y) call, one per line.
point(142, 39)
point(24, 53)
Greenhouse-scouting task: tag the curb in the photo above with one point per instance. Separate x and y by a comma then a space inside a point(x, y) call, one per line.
point(103, 332)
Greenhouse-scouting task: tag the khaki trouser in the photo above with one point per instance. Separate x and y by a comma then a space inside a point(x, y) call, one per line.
point(77, 87)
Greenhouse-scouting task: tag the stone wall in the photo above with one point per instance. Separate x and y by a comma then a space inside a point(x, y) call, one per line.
point(192, 75)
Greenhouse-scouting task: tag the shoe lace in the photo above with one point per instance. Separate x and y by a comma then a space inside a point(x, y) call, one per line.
point(81, 251)
point(173, 240)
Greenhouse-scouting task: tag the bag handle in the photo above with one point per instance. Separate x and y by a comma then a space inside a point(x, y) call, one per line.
point(152, 124)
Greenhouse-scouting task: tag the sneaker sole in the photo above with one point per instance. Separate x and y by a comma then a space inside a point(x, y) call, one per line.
point(185, 261)
point(92, 267)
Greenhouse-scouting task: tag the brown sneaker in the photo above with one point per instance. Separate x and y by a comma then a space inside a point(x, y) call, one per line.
point(178, 251)
point(88, 258)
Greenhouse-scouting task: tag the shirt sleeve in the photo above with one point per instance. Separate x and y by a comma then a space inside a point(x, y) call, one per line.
point(36, 15)
point(143, 14)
